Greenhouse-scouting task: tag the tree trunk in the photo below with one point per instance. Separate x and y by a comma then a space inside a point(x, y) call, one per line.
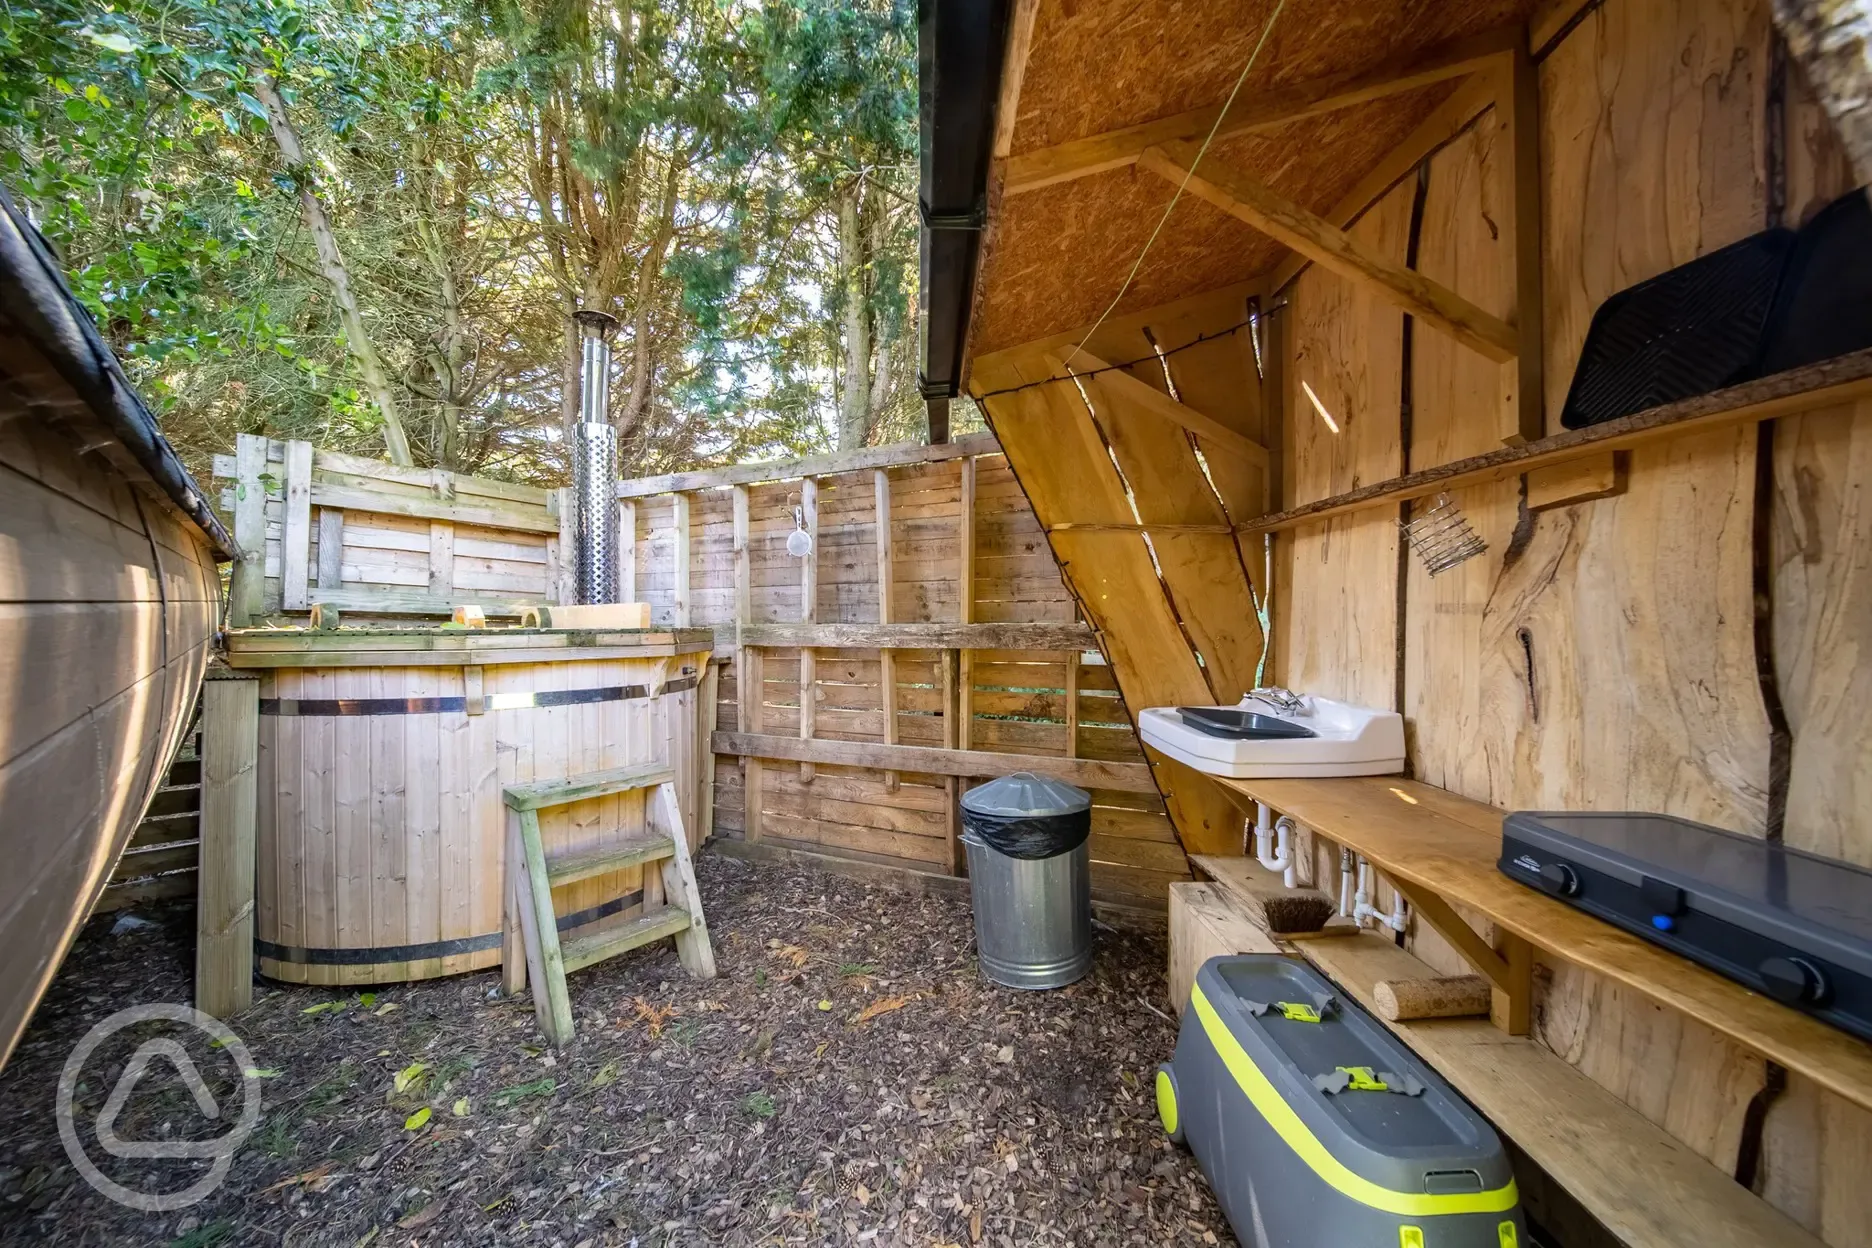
point(1832, 40)
point(331, 263)
point(854, 424)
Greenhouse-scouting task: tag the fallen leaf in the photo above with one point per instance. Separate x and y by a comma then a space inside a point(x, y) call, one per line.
point(385, 1008)
point(260, 1072)
point(790, 953)
point(863, 1194)
point(824, 1004)
point(654, 1016)
point(883, 1005)
point(418, 1120)
point(306, 1177)
point(324, 1007)
point(606, 1076)
point(1006, 1053)
point(406, 1078)
point(423, 1216)
point(367, 999)
point(461, 1108)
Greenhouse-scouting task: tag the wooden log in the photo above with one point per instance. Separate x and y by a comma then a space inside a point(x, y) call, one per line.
point(1445, 996)
point(1250, 200)
point(224, 906)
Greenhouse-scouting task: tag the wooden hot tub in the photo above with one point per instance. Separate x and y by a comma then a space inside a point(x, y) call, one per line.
point(381, 837)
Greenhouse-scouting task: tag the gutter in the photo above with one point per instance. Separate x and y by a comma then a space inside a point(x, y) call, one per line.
point(961, 48)
point(45, 313)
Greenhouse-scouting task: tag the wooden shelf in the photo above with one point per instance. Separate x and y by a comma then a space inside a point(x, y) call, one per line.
point(1643, 1185)
point(1436, 842)
point(1042, 636)
point(1842, 380)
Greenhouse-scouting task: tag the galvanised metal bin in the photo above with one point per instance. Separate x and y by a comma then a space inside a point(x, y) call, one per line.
point(1030, 879)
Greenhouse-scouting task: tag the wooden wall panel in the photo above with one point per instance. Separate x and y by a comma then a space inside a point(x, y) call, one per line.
point(1336, 634)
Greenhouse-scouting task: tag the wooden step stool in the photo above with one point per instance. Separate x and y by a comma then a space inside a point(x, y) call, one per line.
point(531, 877)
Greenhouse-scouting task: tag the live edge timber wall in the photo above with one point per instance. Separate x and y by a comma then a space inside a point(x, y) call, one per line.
point(1672, 615)
point(935, 640)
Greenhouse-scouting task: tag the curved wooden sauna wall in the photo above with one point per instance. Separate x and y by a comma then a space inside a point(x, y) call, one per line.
point(107, 601)
point(382, 835)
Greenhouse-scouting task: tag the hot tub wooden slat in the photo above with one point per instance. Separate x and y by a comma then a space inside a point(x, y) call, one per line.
point(385, 833)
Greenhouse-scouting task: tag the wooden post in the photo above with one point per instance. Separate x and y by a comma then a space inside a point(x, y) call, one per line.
point(965, 598)
point(567, 578)
point(682, 561)
point(247, 588)
point(296, 529)
point(331, 548)
point(627, 551)
point(441, 560)
point(809, 612)
point(224, 907)
point(950, 830)
point(708, 707)
point(1511, 1006)
point(1517, 104)
point(1072, 704)
point(887, 588)
point(748, 675)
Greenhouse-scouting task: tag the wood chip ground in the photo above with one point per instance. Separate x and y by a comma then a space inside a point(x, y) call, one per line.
point(849, 1079)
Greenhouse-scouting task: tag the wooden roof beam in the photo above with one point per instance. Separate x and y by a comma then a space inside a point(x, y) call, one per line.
point(1266, 110)
point(1450, 119)
point(1252, 201)
point(1124, 387)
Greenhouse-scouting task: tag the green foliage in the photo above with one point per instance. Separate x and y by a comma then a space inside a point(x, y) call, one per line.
point(489, 167)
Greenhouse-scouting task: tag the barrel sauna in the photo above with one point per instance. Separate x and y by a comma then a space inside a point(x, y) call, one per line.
point(109, 595)
point(382, 841)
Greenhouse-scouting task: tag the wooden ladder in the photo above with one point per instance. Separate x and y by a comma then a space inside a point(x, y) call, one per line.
point(532, 876)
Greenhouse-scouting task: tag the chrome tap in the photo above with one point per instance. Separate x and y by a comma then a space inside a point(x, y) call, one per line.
point(1283, 700)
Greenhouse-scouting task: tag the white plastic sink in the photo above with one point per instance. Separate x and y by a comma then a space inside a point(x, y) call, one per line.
point(1349, 741)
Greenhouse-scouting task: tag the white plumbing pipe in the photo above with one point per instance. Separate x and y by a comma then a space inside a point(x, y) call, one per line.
point(1345, 883)
point(1273, 848)
point(1365, 914)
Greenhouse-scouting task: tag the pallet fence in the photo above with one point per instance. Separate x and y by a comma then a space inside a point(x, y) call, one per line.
point(928, 626)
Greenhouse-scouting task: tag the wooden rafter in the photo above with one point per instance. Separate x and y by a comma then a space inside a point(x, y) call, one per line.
point(1276, 107)
point(1014, 71)
point(1450, 119)
point(1248, 199)
point(1124, 387)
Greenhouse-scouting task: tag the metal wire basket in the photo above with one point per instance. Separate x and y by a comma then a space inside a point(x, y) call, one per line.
point(1441, 536)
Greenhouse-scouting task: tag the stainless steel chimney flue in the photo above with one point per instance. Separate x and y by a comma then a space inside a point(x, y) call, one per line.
point(595, 467)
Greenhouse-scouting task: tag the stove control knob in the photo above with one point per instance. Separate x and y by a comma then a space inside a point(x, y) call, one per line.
point(1793, 981)
point(1559, 879)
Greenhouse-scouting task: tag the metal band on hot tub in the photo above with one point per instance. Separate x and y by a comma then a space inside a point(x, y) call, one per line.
point(314, 707)
point(387, 954)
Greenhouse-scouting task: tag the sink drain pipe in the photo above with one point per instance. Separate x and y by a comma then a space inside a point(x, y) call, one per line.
point(1367, 914)
point(1274, 843)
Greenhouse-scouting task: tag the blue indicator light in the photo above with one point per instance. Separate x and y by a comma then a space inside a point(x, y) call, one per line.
point(1663, 922)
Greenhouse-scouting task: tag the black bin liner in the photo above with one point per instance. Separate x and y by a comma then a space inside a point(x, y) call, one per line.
point(1028, 816)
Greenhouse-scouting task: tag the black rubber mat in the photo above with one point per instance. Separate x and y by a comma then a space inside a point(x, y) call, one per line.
point(1825, 305)
point(1686, 332)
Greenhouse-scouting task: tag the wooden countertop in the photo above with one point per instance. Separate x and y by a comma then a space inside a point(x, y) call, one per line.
point(453, 647)
point(1448, 845)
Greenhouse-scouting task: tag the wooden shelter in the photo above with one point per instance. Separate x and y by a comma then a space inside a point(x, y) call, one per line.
point(1373, 289)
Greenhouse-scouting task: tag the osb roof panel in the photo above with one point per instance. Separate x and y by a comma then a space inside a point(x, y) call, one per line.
point(1098, 65)
point(1061, 253)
